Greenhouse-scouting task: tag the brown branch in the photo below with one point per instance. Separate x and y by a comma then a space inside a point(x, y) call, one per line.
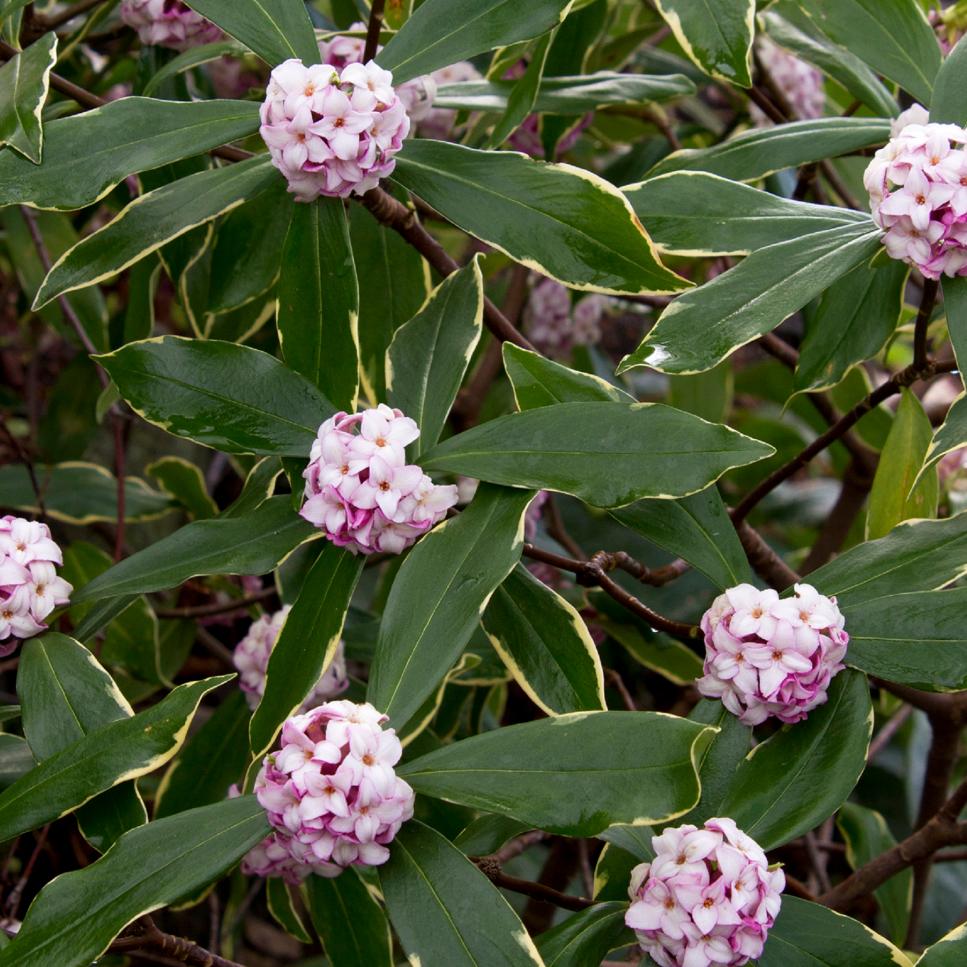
point(891, 387)
point(927, 300)
point(402, 220)
point(220, 607)
point(59, 19)
point(153, 940)
point(372, 31)
point(852, 496)
point(882, 738)
point(25, 458)
point(764, 560)
point(536, 891)
point(942, 830)
point(593, 573)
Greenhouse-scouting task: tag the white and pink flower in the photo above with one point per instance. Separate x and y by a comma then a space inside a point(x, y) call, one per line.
point(331, 793)
point(800, 82)
point(708, 897)
point(360, 489)
point(252, 654)
point(770, 656)
point(918, 194)
point(168, 23)
point(554, 326)
point(332, 132)
point(30, 587)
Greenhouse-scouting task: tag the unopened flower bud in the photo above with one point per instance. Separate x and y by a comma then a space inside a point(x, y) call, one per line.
point(168, 23)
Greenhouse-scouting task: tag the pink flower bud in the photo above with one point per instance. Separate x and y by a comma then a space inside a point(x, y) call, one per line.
point(918, 194)
point(708, 897)
point(361, 491)
point(771, 656)
point(438, 121)
point(168, 23)
point(252, 660)
point(29, 585)
point(554, 326)
point(331, 793)
point(332, 132)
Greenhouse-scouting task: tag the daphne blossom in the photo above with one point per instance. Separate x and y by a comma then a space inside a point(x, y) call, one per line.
point(800, 82)
point(416, 94)
point(771, 656)
point(30, 587)
point(168, 23)
point(331, 793)
point(361, 491)
point(554, 326)
point(708, 897)
point(332, 132)
point(252, 654)
point(918, 194)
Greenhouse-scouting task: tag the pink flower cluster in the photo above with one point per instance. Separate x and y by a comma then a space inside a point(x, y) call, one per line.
point(801, 83)
point(416, 94)
point(361, 491)
point(332, 132)
point(554, 326)
point(168, 23)
point(708, 897)
point(251, 658)
point(29, 585)
point(766, 655)
point(331, 793)
point(918, 194)
point(439, 121)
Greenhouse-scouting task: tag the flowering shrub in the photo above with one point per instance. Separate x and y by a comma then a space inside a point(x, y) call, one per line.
point(483, 483)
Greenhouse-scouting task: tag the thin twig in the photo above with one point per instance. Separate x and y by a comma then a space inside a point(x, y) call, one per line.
point(28, 463)
point(217, 608)
point(537, 891)
point(882, 738)
point(56, 20)
point(13, 898)
point(927, 300)
point(372, 31)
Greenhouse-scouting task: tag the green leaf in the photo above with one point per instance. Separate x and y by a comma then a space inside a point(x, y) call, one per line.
point(79, 493)
point(487, 833)
point(185, 482)
point(124, 137)
point(892, 36)
point(955, 306)
point(866, 836)
point(716, 37)
point(258, 487)
point(539, 381)
point(445, 911)
point(545, 644)
point(274, 29)
point(246, 257)
point(103, 758)
point(253, 543)
point(153, 219)
point(894, 497)
point(442, 32)
point(187, 59)
point(916, 639)
point(806, 934)
point(586, 937)
point(790, 26)
point(429, 355)
point(791, 782)
point(230, 397)
point(607, 454)
point(24, 83)
point(612, 872)
point(561, 221)
point(16, 759)
point(523, 95)
point(568, 95)
point(696, 213)
point(66, 694)
point(754, 154)
point(708, 395)
point(951, 435)
point(211, 760)
point(696, 528)
point(307, 642)
point(655, 651)
point(856, 317)
point(703, 327)
point(438, 595)
point(917, 555)
point(350, 923)
point(278, 898)
point(948, 951)
point(947, 103)
point(318, 306)
point(719, 759)
point(397, 284)
point(76, 916)
point(571, 774)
